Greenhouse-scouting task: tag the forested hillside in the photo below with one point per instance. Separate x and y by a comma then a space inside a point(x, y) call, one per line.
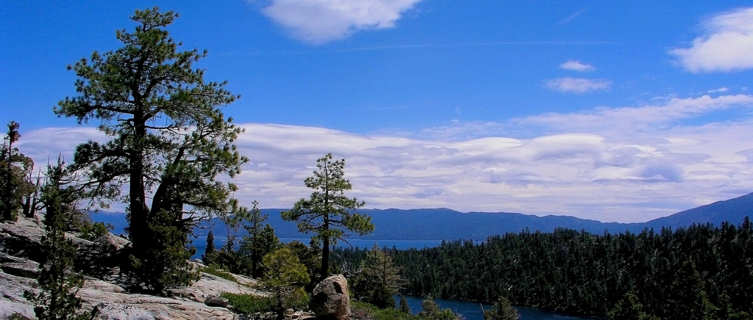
point(701, 272)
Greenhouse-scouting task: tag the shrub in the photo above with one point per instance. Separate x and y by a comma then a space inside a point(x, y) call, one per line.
point(363, 310)
point(94, 231)
point(215, 270)
point(286, 277)
point(246, 303)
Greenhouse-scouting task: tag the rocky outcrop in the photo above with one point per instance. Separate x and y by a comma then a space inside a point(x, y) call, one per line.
point(22, 238)
point(115, 305)
point(113, 302)
point(12, 295)
point(212, 286)
point(18, 266)
point(331, 299)
point(20, 244)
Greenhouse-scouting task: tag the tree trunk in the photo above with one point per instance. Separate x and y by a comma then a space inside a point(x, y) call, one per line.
point(138, 208)
point(324, 271)
point(7, 194)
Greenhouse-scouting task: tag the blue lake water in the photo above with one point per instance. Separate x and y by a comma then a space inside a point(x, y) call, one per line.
point(200, 243)
point(473, 311)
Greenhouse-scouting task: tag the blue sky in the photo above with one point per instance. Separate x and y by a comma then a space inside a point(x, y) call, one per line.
point(613, 111)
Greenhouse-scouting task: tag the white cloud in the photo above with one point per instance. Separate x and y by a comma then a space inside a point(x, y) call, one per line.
point(321, 21)
point(578, 85)
point(613, 164)
point(726, 44)
point(575, 65)
point(571, 17)
point(718, 90)
point(646, 117)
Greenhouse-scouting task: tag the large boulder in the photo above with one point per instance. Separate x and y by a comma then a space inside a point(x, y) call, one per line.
point(331, 299)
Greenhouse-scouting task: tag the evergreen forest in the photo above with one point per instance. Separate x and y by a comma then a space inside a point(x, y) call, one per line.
point(701, 272)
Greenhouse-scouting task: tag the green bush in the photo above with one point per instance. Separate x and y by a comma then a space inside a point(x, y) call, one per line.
point(363, 310)
point(245, 303)
point(298, 299)
point(94, 231)
point(215, 270)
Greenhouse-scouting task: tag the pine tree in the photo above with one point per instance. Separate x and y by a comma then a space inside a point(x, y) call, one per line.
point(286, 276)
point(14, 168)
point(228, 257)
point(428, 307)
point(430, 311)
point(404, 305)
point(169, 139)
point(259, 240)
point(209, 252)
point(629, 308)
point(689, 299)
point(163, 263)
point(502, 310)
point(31, 199)
point(58, 283)
point(328, 212)
point(266, 241)
point(309, 256)
point(378, 280)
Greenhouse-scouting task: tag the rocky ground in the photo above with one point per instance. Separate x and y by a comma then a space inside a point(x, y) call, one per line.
point(19, 253)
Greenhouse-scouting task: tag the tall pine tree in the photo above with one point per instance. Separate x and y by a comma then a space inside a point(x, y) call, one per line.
point(209, 252)
point(168, 138)
point(259, 241)
point(58, 282)
point(14, 169)
point(328, 213)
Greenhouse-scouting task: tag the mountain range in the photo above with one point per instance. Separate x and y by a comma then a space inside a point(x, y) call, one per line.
point(447, 224)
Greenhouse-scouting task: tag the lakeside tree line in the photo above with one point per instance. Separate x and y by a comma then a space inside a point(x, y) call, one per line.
point(702, 272)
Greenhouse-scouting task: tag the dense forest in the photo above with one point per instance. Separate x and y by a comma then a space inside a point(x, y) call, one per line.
point(701, 272)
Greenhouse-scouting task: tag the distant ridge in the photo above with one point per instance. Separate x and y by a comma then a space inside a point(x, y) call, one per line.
point(732, 210)
point(447, 224)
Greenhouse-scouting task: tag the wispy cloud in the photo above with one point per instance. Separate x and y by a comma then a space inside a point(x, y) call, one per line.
point(578, 85)
point(575, 65)
point(624, 119)
point(571, 17)
point(616, 164)
point(725, 45)
point(321, 21)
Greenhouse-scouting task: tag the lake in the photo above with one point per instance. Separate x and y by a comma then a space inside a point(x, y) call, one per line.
point(472, 311)
point(200, 243)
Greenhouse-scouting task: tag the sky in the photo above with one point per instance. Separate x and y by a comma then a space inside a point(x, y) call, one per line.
point(614, 111)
